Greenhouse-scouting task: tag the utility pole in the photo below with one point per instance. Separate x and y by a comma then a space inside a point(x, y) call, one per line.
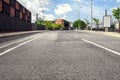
point(43, 11)
point(91, 13)
point(78, 3)
point(43, 15)
point(119, 18)
point(36, 16)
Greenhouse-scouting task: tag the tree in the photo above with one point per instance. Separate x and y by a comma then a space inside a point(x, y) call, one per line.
point(116, 14)
point(38, 22)
point(79, 24)
point(97, 22)
point(66, 24)
point(48, 24)
point(61, 26)
point(54, 26)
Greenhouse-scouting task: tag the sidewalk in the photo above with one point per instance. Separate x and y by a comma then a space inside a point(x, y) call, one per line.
point(17, 33)
point(113, 34)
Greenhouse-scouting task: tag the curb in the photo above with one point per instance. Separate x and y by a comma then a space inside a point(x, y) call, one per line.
point(3, 35)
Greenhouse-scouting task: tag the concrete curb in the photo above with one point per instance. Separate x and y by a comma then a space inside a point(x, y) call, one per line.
point(17, 33)
point(112, 34)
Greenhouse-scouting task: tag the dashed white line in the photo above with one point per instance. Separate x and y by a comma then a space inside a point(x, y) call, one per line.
point(110, 50)
point(19, 45)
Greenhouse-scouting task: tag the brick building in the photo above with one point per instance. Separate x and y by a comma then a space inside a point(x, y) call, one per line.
point(59, 21)
point(14, 16)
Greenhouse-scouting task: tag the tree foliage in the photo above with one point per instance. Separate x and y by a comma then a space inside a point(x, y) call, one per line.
point(50, 25)
point(116, 13)
point(79, 24)
point(97, 22)
point(39, 22)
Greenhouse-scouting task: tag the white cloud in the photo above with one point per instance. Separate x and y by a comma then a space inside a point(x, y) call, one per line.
point(64, 17)
point(49, 17)
point(117, 1)
point(63, 9)
point(35, 6)
point(78, 0)
point(85, 12)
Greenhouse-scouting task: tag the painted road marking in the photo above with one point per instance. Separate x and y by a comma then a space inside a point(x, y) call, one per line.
point(34, 38)
point(110, 50)
point(16, 42)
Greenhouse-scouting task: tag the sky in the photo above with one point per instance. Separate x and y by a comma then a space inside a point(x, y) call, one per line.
point(68, 9)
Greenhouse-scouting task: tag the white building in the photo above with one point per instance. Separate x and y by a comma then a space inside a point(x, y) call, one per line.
point(116, 25)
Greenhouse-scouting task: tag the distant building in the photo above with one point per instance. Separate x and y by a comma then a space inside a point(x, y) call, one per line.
point(94, 26)
point(116, 25)
point(59, 21)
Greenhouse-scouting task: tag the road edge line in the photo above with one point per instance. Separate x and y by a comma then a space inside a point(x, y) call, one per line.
point(8, 50)
point(110, 50)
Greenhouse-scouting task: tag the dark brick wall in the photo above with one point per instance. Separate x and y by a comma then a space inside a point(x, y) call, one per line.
point(8, 23)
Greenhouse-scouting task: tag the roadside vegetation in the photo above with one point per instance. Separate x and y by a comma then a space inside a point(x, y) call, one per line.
point(79, 24)
point(49, 25)
point(116, 14)
point(96, 22)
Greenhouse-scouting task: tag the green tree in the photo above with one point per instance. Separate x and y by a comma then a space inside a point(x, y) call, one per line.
point(39, 22)
point(61, 26)
point(116, 14)
point(75, 25)
point(97, 22)
point(55, 26)
point(52, 26)
point(48, 24)
point(79, 24)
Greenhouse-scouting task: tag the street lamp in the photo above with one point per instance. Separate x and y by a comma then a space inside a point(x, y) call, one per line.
point(78, 3)
point(91, 13)
point(43, 14)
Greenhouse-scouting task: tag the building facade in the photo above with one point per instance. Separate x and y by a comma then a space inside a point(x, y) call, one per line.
point(59, 21)
point(14, 16)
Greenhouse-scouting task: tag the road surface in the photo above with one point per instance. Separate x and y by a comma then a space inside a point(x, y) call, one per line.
point(60, 55)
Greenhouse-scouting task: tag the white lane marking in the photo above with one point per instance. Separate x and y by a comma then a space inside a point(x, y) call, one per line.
point(15, 42)
point(19, 45)
point(110, 50)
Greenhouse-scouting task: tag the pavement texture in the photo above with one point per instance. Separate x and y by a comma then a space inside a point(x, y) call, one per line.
point(61, 55)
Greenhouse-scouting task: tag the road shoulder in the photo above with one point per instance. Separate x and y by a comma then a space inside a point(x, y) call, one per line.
point(112, 34)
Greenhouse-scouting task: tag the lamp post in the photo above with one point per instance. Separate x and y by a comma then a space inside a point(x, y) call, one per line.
point(43, 14)
point(91, 13)
point(78, 3)
point(36, 16)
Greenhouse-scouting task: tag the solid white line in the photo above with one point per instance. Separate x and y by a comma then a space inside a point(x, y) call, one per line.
point(110, 50)
point(19, 45)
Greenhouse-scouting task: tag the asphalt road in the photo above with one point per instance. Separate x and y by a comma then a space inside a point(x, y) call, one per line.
point(61, 55)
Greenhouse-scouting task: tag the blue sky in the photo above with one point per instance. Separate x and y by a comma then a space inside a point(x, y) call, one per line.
point(68, 9)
